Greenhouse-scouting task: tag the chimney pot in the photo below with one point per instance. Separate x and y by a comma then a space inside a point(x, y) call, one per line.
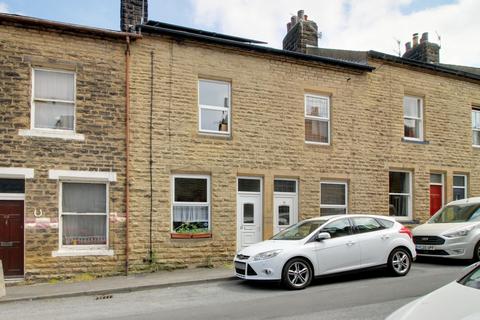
point(305, 17)
point(415, 39)
point(293, 20)
point(289, 26)
point(408, 46)
point(300, 14)
point(424, 37)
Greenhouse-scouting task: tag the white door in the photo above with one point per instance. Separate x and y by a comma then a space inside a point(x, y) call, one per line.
point(285, 214)
point(285, 204)
point(249, 212)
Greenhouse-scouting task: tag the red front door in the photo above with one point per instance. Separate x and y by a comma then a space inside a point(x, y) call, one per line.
point(435, 198)
point(11, 237)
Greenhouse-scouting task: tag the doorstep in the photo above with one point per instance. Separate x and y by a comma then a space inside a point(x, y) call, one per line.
point(118, 284)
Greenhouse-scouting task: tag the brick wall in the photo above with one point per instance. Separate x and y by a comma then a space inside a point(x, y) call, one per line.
point(268, 138)
point(99, 67)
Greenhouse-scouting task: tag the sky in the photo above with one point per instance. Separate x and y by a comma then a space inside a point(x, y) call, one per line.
point(344, 24)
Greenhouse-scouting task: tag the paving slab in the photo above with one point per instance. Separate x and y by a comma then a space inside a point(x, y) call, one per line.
point(117, 284)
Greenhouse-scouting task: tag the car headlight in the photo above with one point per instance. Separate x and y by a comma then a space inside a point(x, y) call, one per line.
point(459, 233)
point(267, 255)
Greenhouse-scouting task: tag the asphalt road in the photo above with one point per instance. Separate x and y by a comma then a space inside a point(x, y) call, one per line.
point(369, 295)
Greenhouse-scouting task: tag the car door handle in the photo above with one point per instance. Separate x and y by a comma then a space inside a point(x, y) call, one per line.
point(350, 243)
point(385, 237)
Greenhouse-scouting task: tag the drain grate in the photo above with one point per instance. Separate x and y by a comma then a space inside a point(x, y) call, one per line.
point(104, 297)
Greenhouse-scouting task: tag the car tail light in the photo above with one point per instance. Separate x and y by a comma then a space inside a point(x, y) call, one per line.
point(406, 231)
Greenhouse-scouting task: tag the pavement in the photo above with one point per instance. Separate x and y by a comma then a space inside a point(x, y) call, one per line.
point(117, 284)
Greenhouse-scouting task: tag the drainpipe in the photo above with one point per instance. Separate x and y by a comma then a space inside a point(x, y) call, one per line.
point(127, 141)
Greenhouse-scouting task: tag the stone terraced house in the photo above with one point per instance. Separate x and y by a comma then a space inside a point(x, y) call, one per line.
point(222, 140)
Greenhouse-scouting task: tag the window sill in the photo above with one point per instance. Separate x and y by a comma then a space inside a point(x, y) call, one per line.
point(51, 134)
point(476, 146)
point(82, 252)
point(191, 235)
point(414, 141)
point(320, 144)
point(223, 136)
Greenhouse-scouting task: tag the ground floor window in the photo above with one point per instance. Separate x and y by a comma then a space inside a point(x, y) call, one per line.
point(191, 204)
point(83, 214)
point(333, 198)
point(400, 194)
point(459, 187)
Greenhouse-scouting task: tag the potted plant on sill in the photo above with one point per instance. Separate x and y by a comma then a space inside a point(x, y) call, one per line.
point(223, 124)
point(190, 230)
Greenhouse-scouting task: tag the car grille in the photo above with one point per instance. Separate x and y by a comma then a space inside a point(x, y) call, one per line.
point(240, 267)
point(428, 240)
point(242, 257)
point(433, 252)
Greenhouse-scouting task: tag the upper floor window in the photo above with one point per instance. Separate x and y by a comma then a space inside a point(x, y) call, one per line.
point(53, 100)
point(413, 118)
point(333, 198)
point(317, 119)
point(476, 127)
point(214, 106)
point(400, 194)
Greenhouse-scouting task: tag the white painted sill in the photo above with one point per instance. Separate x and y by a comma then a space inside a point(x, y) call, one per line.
point(51, 134)
point(82, 252)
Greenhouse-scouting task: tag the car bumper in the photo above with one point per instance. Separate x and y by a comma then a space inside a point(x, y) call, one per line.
point(452, 248)
point(270, 269)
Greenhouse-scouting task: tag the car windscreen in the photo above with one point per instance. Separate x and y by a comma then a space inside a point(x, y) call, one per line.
point(472, 279)
point(457, 213)
point(299, 231)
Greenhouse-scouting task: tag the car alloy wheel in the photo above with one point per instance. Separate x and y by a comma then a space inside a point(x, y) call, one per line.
point(399, 262)
point(297, 274)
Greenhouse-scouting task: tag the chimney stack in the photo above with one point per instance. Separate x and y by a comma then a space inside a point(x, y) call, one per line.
point(133, 13)
point(301, 33)
point(424, 51)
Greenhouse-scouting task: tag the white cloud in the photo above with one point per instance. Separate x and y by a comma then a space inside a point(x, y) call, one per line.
point(3, 7)
point(351, 24)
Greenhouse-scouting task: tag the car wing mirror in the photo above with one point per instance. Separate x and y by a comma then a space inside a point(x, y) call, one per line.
point(322, 236)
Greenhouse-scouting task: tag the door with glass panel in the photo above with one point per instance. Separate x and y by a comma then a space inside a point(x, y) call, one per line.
point(285, 204)
point(436, 192)
point(249, 212)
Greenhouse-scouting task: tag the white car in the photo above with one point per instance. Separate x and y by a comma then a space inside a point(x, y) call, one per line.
point(457, 300)
point(328, 245)
point(453, 232)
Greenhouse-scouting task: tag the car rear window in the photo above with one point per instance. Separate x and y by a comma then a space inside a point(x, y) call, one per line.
point(386, 223)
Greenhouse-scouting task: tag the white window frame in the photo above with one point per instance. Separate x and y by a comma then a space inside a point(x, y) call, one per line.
point(81, 248)
point(465, 186)
point(317, 118)
point(195, 204)
point(334, 206)
point(73, 102)
point(216, 108)
point(420, 131)
point(475, 129)
point(410, 195)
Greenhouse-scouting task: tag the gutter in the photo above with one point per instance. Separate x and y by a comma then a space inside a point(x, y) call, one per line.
point(30, 21)
point(419, 64)
point(262, 49)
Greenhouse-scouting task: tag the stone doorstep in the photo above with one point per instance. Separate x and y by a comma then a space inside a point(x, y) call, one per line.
point(138, 283)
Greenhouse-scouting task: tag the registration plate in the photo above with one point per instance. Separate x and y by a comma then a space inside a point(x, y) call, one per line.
point(424, 247)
